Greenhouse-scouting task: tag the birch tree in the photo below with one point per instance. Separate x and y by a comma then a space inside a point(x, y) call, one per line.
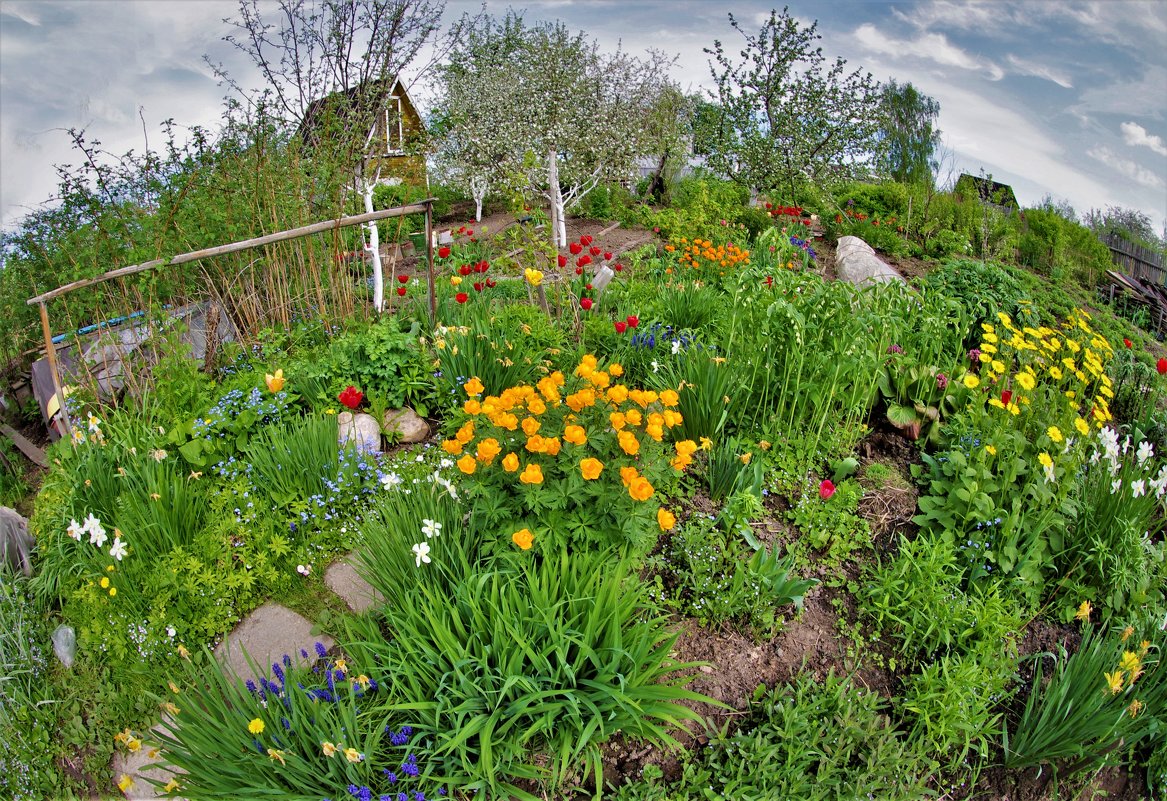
point(542, 109)
point(789, 114)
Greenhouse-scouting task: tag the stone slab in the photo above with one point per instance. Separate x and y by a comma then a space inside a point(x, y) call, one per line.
point(266, 635)
point(342, 578)
point(134, 764)
point(856, 263)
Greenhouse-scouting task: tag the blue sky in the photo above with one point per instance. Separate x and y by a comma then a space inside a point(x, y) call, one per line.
point(1064, 98)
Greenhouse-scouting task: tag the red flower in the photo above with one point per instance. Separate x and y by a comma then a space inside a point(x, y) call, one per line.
point(461, 297)
point(491, 282)
point(621, 326)
point(562, 260)
point(768, 206)
point(595, 250)
point(483, 266)
point(478, 286)
point(656, 229)
point(443, 252)
point(586, 305)
point(1126, 342)
point(586, 239)
point(1007, 396)
point(618, 268)
point(464, 269)
point(826, 489)
point(351, 397)
point(469, 232)
point(769, 280)
point(633, 321)
point(576, 248)
point(1161, 366)
point(584, 260)
point(588, 287)
point(403, 279)
point(462, 229)
point(401, 291)
point(607, 255)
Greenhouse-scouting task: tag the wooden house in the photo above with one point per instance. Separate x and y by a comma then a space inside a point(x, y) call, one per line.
point(988, 191)
point(392, 130)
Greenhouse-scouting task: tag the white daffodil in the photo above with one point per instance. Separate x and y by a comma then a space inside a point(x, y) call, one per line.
point(430, 528)
point(421, 552)
point(118, 549)
point(1138, 488)
point(97, 535)
point(75, 530)
point(391, 481)
point(1145, 452)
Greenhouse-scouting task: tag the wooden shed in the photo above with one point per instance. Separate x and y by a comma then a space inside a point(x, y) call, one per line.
point(988, 191)
point(393, 129)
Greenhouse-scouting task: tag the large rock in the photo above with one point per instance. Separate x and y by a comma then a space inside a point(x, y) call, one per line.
point(856, 263)
point(407, 423)
point(266, 635)
point(360, 428)
point(15, 541)
point(342, 578)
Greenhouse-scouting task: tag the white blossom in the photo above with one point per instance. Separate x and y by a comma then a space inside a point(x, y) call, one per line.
point(421, 552)
point(1145, 452)
point(430, 528)
point(118, 549)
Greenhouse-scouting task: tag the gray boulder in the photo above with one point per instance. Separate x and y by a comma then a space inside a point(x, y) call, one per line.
point(407, 423)
point(15, 541)
point(360, 428)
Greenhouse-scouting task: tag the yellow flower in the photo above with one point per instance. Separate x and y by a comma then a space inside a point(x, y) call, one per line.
point(615, 369)
point(991, 450)
point(1045, 459)
point(971, 381)
point(998, 366)
point(1135, 707)
point(1131, 663)
point(467, 464)
point(591, 468)
point(133, 744)
point(256, 726)
point(113, 591)
point(1082, 426)
point(125, 782)
point(1127, 632)
point(629, 443)
point(171, 785)
point(640, 489)
point(532, 474)
point(510, 463)
point(764, 444)
point(745, 457)
point(473, 386)
point(1055, 373)
point(1084, 611)
point(706, 443)
point(1114, 681)
point(454, 281)
point(353, 755)
point(274, 382)
point(328, 748)
point(575, 434)
point(987, 348)
point(1026, 381)
point(534, 277)
point(665, 519)
point(169, 708)
point(276, 756)
point(173, 687)
point(523, 538)
point(1055, 433)
point(105, 582)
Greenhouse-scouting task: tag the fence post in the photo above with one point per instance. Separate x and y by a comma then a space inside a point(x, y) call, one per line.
point(429, 260)
point(51, 352)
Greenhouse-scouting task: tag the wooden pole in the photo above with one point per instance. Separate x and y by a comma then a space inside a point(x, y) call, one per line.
point(51, 351)
point(429, 260)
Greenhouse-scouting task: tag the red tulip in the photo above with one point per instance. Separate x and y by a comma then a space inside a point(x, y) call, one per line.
point(633, 321)
point(1161, 366)
point(403, 279)
point(1007, 396)
point(1126, 342)
point(826, 489)
point(469, 232)
point(401, 291)
point(595, 250)
point(579, 270)
point(619, 268)
point(586, 239)
point(586, 305)
point(584, 260)
point(461, 297)
point(351, 397)
point(491, 282)
point(478, 286)
point(576, 248)
point(621, 326)
point(464, 269)
point(462, 229)
point(443, 252)
point(562, 260)
point(607, 255)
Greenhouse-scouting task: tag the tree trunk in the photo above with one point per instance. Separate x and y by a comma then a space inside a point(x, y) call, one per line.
point(478, 187)
point(558, 214)
point(656, 184)
point(374, 249)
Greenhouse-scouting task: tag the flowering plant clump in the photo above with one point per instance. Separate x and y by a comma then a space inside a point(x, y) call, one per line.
point(705, 256)
point(313, 726)
point(572, 460)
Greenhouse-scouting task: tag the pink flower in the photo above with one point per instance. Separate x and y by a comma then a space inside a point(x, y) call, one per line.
point(826, 489)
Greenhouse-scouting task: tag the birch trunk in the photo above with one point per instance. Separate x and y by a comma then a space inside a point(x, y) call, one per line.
point(558, 220)
point(374, 249)
point(478, 187)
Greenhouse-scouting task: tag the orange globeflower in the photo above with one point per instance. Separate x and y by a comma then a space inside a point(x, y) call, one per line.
point(488, 449)
point(629, 443)
point(452, 446)
point(472, 406)
point(532, 474)
point(535, 443)
point(530, 426)
point(466, 432)
point(536, 406)
point(669, 397)
point(618, 393)
point(591, 468)
point(628, 475)
point(640, 489)
point(633, 417)
point(523, 538)
point(551, 446)
point(510, 462)
point(665, 519)
point(467, 464)
point(575, 434)
point(681, 462)
point(473, 386)
point(617, 420)
point(615, 369)
point(655, 431)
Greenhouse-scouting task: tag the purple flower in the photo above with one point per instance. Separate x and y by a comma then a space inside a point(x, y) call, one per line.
point(893, 348)
point(942, 380)
point(974, 355)
point(321, 651)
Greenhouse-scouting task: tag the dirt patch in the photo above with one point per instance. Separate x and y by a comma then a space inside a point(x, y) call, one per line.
point(1114, 783)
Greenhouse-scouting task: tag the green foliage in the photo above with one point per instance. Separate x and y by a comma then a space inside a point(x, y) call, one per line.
point(381, 361)
point(732, 469)
point(1087, 711)
point(916, 396)
point(707, 395)
point(1059, 248)
point(484, 349)
point(983, 288)
point(227, 427)
point(908, 139)
point(709, 574)
point(820, 739)
point(831, 526)
point(686, 307)
point(547, 656)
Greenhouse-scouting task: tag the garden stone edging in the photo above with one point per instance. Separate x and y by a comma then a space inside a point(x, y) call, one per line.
point(856, 263)
point(342, 578)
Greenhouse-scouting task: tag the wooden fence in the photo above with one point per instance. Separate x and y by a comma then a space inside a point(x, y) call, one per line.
point(1135, 260)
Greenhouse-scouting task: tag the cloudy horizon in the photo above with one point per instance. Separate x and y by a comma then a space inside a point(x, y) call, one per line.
point(1060, 98)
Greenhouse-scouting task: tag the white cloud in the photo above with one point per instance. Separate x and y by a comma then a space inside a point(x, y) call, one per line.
point(1137, 136)
point(1126, 167)
point(931, 46)
point(1025, 67)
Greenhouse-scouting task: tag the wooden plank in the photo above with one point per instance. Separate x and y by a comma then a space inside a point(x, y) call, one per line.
point(609, 229)
point(37, 455)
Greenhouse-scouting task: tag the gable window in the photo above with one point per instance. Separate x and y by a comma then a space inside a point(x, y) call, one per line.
point(394, 133)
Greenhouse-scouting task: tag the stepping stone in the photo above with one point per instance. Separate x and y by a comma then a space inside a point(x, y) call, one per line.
point(342, 578)
point(266, 635)
point(134, 764)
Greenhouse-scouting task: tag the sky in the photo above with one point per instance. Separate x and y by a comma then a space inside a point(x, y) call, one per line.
point(1061, 98)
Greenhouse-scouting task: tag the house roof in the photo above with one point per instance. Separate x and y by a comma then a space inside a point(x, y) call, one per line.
point(990, 191)
point(346, 106)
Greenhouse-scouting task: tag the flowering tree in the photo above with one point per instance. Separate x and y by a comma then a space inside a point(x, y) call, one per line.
point(541, 109)
point(788, 114)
